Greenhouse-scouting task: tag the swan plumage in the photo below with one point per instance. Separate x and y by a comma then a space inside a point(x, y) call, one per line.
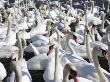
point(3, 72)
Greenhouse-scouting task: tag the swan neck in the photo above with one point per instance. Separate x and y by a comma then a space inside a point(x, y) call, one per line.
point(48, 28)
point(108, 7)
point(66, 73)
point(58, 37)
point(9, 27)
point(71, 5)
point(88, 48)
point(24, 43)
point(20, 46)
point(108, 43)
point(95, 58)
point(56, 73)
point(103, 21)
point(101, 75)
point(69, 45)
point(18, 73)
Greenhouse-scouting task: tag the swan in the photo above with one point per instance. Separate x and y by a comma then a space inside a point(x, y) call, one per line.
point(2, 72)
point(38, 62)
point(20, 72)
point(69, 67)
point(89, 70)
point(25, 34)
point(19, 65)
point(53, 71)
point(83, 65)
point(108, 43)
point(10, 38)
point(8, 51)
point(79, 49)
point(40, 42)
point(22, 25)
point(49, 75)
point(102, 77)
point(40, 37)
point(38, 29)
point(41, 48)
point(103, 21)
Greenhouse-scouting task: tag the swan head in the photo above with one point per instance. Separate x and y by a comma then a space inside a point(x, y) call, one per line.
point(52, 47)
point(99, 51)
point(71, 35)
point(71, 69)
point(50, 23)
point(14, 57)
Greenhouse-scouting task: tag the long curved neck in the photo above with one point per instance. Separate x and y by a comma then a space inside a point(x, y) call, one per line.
point(0, 18)
point(69, 45)
point(56, 78)
point(24, 43)
point(48, 28)
point(101, 75)
point(103, 21)
point(20, 46)
point(71, 3)
point(88, 48)
point(66, 72)
point(9, 26)
point(65, 75)
point(108, 6)
point(17, 70)
point(108, 43)
point(58, 37)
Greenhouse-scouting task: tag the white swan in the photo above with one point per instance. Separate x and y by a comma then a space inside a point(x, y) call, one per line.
point(69, 67)
point(2, 72)
point(89, 70)
point(53, 71)
point(38, 62)
point(108, 43)
point(20, 72)
point(49, 75)
point(8, 51)
point(10, 38)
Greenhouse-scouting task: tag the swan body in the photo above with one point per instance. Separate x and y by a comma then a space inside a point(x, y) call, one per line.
point(38, 62)
point(50, 68)
point(22, 26)
point(25, 35)
point(89, 70)
point(40, 49)
point(40, 37)
point(81, 79)
point(25, 73)
point(2, 72)
point(10, 39)
point(40, 29)
point(7, 51)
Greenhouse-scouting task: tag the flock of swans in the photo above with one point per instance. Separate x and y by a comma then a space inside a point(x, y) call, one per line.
point(57, 38)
